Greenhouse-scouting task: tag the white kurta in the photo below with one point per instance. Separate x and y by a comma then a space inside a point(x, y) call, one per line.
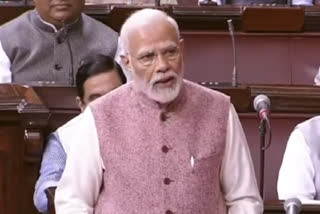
point(79, 186)
point(5, 72)
point(296, 175)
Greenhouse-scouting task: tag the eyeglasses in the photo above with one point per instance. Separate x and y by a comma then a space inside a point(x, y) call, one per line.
point(149, 58)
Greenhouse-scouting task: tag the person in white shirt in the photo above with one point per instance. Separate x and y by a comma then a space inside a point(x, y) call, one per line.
point(303, 2)
point(97, 75)
point(299, 175)
point(159, 144)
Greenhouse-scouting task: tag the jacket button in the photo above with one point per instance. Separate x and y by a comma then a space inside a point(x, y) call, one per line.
point(165, 149)
point(59, 40)
point(169, 212)
point(57, 67)
point(167, 181)
point(163, 117)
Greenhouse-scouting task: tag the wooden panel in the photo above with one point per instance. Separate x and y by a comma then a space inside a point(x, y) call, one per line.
point(260, 59)
point(274, 19)
point(11, 165)
point(22, 118)
point(10, 12)
point(276, 207)
point(304, 58)
point(189, 17)
point(282, 125)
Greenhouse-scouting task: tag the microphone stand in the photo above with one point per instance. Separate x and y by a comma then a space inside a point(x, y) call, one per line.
point(262, 131)
point(264, 124)
point(234, 71)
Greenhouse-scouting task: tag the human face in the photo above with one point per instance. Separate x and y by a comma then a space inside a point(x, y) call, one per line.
point(156, 59)
point(58, 11)
point(97, 86)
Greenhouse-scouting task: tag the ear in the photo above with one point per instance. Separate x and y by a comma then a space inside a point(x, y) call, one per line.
point(125, 61)
point(81, 105)
point(181, 46)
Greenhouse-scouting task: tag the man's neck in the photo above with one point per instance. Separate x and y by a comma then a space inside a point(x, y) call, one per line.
point(59, 25)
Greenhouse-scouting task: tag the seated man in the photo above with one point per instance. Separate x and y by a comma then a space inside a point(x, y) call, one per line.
point(299, 175)
point(46, 44)
point(255, 2)
point(209, 2)
point(97, 76)
point(159, 144)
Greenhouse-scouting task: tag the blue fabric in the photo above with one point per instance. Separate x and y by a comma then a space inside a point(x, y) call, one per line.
point(52, 166)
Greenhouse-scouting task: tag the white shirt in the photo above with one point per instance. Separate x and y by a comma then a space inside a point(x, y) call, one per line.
point(296, 175)
point(205, 1)
point(5, 72)
point(302, 2)
point(78, 196)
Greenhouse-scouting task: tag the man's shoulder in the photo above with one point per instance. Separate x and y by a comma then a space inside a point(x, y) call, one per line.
point(90, 22)
point(18, 23)
point(70, 124)
point(204, 92)
point(310, 123)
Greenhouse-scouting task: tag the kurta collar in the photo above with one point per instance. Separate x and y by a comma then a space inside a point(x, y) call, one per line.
point(40, 23)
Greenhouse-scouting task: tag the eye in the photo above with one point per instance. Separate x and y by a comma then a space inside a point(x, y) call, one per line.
point(171, 52)
point(147, 57)
point(93, 97)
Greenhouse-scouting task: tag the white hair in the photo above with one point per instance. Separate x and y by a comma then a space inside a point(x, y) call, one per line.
point(141, 18)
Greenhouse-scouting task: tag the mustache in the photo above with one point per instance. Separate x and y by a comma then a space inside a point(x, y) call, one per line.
point(163, 76)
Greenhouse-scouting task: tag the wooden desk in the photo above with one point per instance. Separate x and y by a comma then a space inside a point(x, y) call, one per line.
point(26, 116)
point(276, 207)
point(189, 17)
point(22, 119)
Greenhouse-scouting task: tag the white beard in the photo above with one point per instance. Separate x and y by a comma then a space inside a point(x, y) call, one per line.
point(161, 95)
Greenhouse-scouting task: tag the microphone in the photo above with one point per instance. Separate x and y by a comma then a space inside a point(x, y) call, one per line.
point(234, 73)
point(292, 206)
point(261, 104)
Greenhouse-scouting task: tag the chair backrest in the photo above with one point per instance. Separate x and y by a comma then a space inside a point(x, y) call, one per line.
point(50, 192)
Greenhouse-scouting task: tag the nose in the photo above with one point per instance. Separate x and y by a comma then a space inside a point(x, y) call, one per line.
point(162, 64)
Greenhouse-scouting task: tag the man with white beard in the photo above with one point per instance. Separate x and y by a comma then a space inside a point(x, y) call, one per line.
point(159, 144)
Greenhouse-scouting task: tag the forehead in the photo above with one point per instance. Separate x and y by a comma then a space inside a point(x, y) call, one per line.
point(152, 36)
point(48, 2)
point(102, 82)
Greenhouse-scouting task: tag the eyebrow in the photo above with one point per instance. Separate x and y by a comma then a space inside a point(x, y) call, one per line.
point(151, 51)
point(94, 96)
point(145, 52)
point(167, 44)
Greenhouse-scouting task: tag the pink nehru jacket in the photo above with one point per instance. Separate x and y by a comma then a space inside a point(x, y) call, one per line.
point(147, 152)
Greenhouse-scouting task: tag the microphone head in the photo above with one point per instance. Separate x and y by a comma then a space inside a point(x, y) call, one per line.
point(292, 202)
point(258, 100)
point(230, 25)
